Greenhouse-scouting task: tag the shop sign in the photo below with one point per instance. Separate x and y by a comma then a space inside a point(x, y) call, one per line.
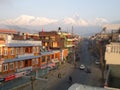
point(17, 75)
point(25, 69)
point(9, 77)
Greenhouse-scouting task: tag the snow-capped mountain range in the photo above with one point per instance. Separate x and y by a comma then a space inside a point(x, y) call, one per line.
point(33, 24)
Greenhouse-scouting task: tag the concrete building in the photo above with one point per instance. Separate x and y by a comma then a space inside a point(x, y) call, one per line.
point(57, 40)
point(112, 57)
point(23, 53)
point(83, 87)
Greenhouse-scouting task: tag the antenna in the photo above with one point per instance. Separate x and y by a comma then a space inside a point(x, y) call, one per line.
point(72, 31)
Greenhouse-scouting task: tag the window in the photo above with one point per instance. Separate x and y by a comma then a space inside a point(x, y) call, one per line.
point(11, 65)
point(0, 50)
point(34, 49)
point(0, 68)
point(5, 51)
point(21, 50)
point(56, 56)
point(5, 67)
point(36, 60)
point(37, 49)
point(46, 38)
point(55, 44)
point(21, 63)
point(16, 64)
point(17, 50)
point(52, 57)
point(48, 58)
point(12, 51)
point(53, 38)
point(43, 59)
point(33, 61)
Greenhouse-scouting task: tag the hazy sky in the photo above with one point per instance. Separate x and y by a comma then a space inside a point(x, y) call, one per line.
point(58, 9)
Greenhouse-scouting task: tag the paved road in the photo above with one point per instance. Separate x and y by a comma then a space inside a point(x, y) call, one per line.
point(80, 76)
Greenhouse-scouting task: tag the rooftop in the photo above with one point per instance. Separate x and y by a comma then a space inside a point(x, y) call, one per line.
point(6, 31)
point(83, 87)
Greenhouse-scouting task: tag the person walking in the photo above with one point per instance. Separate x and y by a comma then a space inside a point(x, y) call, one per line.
point(59, 75)
point(70, 79)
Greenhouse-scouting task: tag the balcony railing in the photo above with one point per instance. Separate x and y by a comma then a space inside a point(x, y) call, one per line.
point(113, 48)
point(25, 55)
point(70, 45)
point(69, 39)
point(23, 42)
point(24, 69)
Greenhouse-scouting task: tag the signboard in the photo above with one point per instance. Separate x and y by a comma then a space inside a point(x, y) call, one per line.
point(11, 77)
point(17, 75)
point(25, 69)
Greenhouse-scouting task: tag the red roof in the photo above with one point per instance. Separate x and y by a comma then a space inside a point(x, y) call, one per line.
point(8, 31)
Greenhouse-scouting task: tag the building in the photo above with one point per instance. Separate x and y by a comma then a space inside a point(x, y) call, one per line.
point(51, 40)
point(21, 53)
point(57, 40)
point(18, 55)
point(77, 86)
point(112, 57)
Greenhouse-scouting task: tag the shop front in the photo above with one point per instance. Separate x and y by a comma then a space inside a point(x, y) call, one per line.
point(10, 77)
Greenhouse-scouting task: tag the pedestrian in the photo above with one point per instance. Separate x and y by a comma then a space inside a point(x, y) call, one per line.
point(70, 79)
point(59, 75)
point(75, 65)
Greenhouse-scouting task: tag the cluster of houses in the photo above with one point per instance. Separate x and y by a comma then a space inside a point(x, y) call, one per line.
point(21, 53)
point(109, 40)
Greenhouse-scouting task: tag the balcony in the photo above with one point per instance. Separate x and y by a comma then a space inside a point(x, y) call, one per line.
point(112, 54)
point(24, 69)
point(23, 43)
point(25, 55)
point(69, 39)
point(71, 45)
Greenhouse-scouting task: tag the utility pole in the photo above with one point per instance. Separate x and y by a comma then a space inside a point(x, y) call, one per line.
point(33, 83)
point(102, 58)
point(34, 80)
point(72, 31)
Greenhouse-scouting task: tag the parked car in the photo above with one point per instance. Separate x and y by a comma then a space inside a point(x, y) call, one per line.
point(82, 66)
point(97, 62)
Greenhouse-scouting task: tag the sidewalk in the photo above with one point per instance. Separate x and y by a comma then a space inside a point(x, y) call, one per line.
point(64, 70)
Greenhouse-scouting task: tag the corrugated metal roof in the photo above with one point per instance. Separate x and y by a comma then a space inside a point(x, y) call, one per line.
point(84, 87)
point(47, 53)
point(8, 31)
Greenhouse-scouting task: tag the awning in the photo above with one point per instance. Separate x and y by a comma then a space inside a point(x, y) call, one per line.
point(20, 59)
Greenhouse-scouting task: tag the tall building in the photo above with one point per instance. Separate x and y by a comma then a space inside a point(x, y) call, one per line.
point(17, 55)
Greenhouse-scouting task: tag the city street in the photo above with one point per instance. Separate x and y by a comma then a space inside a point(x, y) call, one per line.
point(80, 76)
point(66, 70)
